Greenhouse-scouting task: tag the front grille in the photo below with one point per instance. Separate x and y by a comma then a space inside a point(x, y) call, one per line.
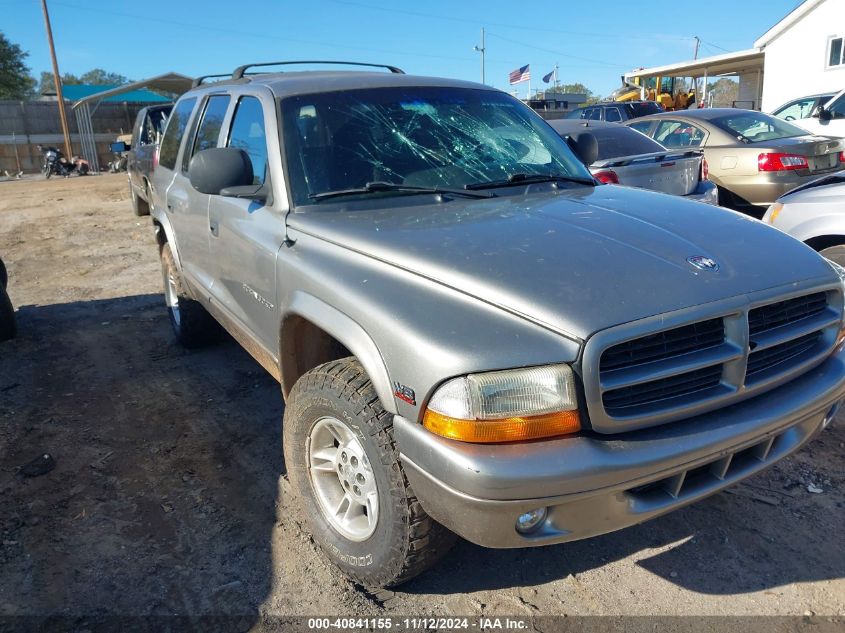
point(775, 315)
point(681, 340)
point(783, 353)
point(693, 367)
point(616, 400)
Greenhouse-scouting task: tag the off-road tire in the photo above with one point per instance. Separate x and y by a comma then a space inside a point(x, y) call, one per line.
point(139, 207)
point(406, 541)
point(192, 325)
point(8, 329)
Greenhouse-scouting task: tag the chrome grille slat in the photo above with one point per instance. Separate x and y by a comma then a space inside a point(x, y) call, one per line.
point(695, 365)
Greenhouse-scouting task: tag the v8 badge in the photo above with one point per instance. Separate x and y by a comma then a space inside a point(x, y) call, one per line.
point(406, 394)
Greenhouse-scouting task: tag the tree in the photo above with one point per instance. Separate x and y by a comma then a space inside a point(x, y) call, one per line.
point(722, 92)
point(15, 81)
point(95, 77)
point(100, 77)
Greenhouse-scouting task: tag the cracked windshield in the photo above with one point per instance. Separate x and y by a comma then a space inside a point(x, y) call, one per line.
point(396, 141)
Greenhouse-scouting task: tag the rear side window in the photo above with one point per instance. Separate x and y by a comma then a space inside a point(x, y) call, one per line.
point(674, 134)
point(623, 141)
point(641, 126)
point(174, 132)
point(594, 114)
point(643, 109)
point(612, 115)
point(247, 133)
point(209, 128)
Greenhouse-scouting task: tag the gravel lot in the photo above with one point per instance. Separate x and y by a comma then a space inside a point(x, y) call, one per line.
point(168, 494)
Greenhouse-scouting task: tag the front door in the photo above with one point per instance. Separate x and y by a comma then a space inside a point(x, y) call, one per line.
point(245, 235)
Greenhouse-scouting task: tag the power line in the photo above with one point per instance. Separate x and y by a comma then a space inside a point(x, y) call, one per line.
point(595, 62)
point(452, 18)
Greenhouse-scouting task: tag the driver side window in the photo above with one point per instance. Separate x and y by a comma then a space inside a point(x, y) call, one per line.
point(837, 108)
point(247, 133)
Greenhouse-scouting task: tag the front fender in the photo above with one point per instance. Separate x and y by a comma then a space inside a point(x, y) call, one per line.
point(345, 330)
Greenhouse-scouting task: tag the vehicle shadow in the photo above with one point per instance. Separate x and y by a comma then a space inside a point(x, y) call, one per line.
point(167, 467)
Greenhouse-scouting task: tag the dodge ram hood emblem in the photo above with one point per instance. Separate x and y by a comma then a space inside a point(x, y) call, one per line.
point(703, 263)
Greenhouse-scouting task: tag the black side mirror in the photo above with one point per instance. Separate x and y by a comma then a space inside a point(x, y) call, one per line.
point(585, 146)
point(220, 169)
point(119, 147)
point(824, 114)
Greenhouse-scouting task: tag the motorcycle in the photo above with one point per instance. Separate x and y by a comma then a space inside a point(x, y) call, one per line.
point(55, 163)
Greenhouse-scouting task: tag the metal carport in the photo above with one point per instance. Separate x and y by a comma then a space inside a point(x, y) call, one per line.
point(742, 63)
point(172, 83)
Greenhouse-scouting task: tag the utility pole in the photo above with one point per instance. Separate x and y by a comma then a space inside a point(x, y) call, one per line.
point(695, 80)
point(481, 49)
point(697, 44)
point(58, 80)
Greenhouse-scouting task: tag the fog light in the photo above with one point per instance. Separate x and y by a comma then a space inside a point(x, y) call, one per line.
point(531, 520)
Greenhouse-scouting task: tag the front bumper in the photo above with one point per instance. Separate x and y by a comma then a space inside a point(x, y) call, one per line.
point(594, 485)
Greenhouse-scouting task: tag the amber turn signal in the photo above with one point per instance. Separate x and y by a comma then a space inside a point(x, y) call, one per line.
point(506, 430)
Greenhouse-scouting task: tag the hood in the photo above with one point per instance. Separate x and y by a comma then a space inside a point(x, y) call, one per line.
point(576, 261)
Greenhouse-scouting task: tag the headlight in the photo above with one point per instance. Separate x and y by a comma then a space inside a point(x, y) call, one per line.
point(773, 212)
point(505, 406)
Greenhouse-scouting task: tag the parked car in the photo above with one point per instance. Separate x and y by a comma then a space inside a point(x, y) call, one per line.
point(754, 158)
point(471, 335)
point(627, 157)
point(616, 111)
point(815, 214)
point(828, 119)
point(143, 153)
point(803, 108)
point(8, 329)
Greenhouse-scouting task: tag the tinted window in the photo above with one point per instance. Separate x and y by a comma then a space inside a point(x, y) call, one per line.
point(837, 108)
point(576, 114)
point(612, 115)
point(594, 114)
point(643, 109)
point(672, 134)
point(212, 120)
point(755, 126)
point(641, 126)
point(174, 132)
point(623, 141)
point(418, 136)
point(247, 133)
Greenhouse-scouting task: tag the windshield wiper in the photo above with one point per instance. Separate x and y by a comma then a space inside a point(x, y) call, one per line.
point(374, 187)
point(519, 179)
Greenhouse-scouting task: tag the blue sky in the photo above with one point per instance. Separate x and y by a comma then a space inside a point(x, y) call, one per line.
point(593, 42)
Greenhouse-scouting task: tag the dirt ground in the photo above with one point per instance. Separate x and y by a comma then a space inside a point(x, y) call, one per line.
point(168, 494)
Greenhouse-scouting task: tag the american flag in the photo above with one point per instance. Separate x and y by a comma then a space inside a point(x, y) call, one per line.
point(520, 75)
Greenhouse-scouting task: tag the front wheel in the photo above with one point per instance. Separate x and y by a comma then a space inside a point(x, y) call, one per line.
point(834, 254)
point(345, 470)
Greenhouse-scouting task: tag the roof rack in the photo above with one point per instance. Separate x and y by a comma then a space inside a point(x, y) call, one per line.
point(241, 70)
point(201, 80)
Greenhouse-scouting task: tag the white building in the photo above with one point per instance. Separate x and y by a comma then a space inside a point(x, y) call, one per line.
point(803, 54)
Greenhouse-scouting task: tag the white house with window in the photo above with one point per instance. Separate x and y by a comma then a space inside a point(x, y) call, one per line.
point(804, 53)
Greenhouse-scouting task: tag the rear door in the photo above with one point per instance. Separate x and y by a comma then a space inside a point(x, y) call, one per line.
point(245, 235)
point(189, 207)
point(164, 172)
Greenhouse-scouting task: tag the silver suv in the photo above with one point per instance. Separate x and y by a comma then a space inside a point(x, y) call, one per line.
point(472, 335)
